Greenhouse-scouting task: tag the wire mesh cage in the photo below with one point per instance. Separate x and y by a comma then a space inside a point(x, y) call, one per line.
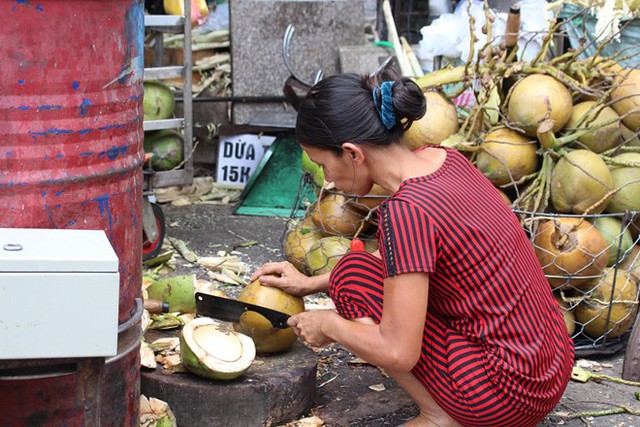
point(592, 263)
point(323, 223)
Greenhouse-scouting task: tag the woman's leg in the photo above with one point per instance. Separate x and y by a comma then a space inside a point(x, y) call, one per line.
point(356, 288)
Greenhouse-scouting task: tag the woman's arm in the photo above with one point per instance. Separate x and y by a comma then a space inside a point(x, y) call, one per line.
point(395, 344)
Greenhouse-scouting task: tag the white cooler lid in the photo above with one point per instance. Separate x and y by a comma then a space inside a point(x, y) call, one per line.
point(30, 250)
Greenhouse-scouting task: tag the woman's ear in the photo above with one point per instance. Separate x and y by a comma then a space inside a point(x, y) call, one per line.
point(354, 151)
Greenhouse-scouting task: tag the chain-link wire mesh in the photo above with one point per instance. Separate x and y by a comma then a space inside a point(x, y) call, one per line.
point(592, 263)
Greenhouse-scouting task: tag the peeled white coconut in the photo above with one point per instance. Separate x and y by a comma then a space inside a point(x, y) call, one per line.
point(214, 350)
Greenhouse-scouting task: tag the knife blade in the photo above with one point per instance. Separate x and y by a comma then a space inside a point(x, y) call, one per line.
point(230, 310)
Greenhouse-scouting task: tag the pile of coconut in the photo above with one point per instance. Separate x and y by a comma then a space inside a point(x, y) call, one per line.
point(558, 137)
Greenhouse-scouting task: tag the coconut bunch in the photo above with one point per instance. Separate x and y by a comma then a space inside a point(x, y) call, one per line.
point(558, 137)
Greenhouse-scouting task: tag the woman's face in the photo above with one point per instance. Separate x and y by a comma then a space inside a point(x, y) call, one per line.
point(348, 175)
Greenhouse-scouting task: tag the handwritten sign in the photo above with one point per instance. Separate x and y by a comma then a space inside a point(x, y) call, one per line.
point(239, 156)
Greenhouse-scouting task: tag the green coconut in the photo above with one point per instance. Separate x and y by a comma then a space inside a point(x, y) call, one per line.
point(167, 148)
point(178, 291)
point(587, 115)
point(567, 313)
point(627, 180)
point(505, 156)
point(211, 349)
point(298, 241)
point(314, 169)
point(593, 311)
point(631, 263)
point(439, 122)
point(611, 230)
point(325, 254)
point(334, 214)
point(579, 182)
point(159, 102)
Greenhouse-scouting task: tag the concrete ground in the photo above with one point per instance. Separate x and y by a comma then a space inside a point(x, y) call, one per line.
point(352, 393)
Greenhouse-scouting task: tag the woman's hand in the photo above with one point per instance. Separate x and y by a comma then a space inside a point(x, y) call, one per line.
point(308, 326)
point(290, 279)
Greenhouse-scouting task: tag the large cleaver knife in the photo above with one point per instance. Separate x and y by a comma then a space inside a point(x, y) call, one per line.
point(230, 310)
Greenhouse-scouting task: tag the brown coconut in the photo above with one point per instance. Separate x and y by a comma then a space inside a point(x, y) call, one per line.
point(567, 313)
point(592, 313)
point(334, 214)
point(438, 123)
point(587, 115)
point(538, 97)
point(580, 181)
point(571, 251)
point(505, 156)
point(626, 97)
point(267, 338)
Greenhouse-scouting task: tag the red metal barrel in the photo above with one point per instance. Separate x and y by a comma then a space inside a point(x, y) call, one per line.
point(70, 157)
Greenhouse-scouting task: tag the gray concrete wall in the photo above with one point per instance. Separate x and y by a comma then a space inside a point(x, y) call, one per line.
point(257, 29)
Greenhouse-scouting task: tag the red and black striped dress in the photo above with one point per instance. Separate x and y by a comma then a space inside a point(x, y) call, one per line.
point(495, 349)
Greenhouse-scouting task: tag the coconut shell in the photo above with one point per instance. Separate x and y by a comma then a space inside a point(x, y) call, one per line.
point(335, 215)
point(438, 123)
point(571, 251)
point(626, 97)
point(538, 97)
point(267, 338)
point(587, 115)
point(627, 181)
point(593, 311)
point(579, 182)
point(505, 156)
point(298, 241)
point(326, 253)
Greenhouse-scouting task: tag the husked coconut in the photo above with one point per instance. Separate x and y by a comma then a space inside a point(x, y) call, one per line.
point(214, 350)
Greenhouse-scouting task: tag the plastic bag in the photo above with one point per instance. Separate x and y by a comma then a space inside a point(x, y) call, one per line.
point(199, 10)
point(449, 35)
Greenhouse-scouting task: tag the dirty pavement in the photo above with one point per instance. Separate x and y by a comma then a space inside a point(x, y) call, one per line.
point(350, 392)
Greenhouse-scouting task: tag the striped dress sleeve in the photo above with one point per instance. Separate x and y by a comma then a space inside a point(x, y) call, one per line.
point(407, 239)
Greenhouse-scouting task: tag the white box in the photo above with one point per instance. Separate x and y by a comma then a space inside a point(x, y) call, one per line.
point(59, 293)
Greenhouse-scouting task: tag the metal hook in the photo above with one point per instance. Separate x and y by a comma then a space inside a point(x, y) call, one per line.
point(286, 53)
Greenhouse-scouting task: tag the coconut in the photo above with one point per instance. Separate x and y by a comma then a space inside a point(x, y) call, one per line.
point(587, 115)
point(505, 156)
point(629, 138)
point(325, 254)
point(626, 97)
point(627, 180)
point(631, 264)
point(571, 251)
point(538, 97)
point(214, 350)
point(567, 313)
point(594, 310)
point(178, 291)
point(438, 123)
point(611, 230)
point(335, 215)
point(313, 169)
point(167, 148)
point(159, 102)
point(298, 241)
point(267, 338)
point(371, 201)
point(579, 181)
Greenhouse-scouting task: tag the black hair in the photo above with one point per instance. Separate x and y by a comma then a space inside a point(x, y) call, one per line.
point(341, 108)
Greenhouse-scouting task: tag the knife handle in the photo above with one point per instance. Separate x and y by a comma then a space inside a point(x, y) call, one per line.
point(156, 306)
